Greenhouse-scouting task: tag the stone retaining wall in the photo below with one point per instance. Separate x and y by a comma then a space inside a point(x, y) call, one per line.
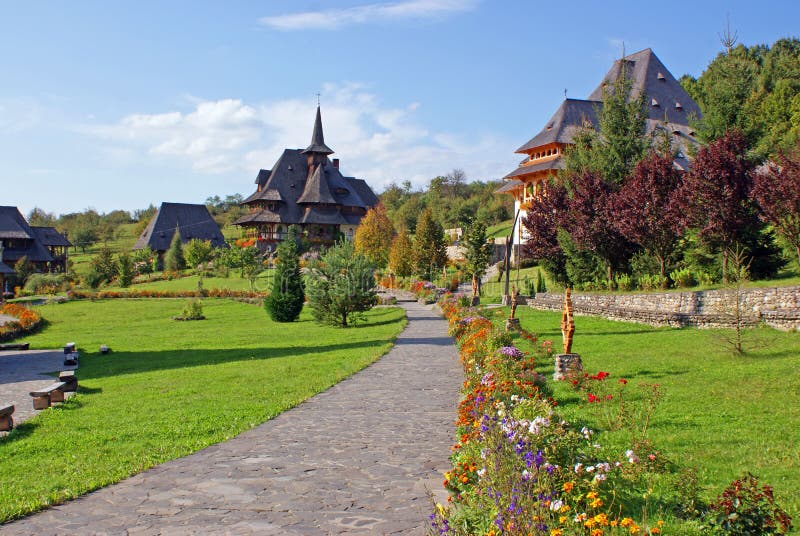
point(778, 307)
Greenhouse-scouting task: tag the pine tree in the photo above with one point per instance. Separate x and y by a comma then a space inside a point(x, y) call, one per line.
point(125, 269)
point(174, 259)
point(401, 256)
point(285, 302)
point(430, 252)
point(341, 286)
point(374, 236)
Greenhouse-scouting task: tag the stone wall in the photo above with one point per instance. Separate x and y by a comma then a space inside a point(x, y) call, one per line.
point(778, 307)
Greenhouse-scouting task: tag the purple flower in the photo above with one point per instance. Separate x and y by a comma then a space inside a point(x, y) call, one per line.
point(511, 351)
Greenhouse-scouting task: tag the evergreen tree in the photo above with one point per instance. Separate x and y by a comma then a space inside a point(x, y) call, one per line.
point(285, 302)
point(401, 255)
point(125, 269)
point(430, 251)
point(174, 259)
point(374, 236)
point(341, 286)
point(23, 270)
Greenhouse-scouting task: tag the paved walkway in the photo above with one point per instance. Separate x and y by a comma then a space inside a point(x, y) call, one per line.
point(24, 371)
point(356, 459)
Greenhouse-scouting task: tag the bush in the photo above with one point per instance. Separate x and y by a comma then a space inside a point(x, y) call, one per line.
point(125, 269)
point(625, 282)
point(747, 508)
point(540, 284)
point(197, 252)
point(683, 278)
point(653, 282)
point(46, 283)
point(192, 311)
point(174, 259)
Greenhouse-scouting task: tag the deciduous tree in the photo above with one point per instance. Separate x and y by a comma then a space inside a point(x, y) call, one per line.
point(777, 191)
point(430, 252)
point(646, 210)
point(401, 255)
point(715, 195)
point(477, 252)
point(374, 236)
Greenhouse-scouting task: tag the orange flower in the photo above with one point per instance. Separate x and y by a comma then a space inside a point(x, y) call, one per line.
point(568, 486)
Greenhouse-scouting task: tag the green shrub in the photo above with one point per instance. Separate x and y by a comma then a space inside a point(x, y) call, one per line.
point(174, 259)
point(193, 311)
point(46, 283)
point(653, 282)
point(683, 278)
point(197, 252)
point(746, 508)
point(540, 284)
point(625, 282)
point(125, 269)
point(286, 299)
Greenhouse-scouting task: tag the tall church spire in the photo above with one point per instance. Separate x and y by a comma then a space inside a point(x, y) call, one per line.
point(318, 139)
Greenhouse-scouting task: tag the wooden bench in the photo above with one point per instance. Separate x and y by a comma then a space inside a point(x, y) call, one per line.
point(6, 421)
point(48, 396)
point(69, 379)
point(15, 346)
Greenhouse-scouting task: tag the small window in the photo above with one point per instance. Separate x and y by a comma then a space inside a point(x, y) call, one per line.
point(654, 102)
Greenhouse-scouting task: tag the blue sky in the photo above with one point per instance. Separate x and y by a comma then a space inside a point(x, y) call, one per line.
point(119, 105)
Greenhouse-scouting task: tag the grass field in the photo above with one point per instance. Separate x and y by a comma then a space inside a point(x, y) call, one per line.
point(263, 283)
point(721, 414)
point(169, 388)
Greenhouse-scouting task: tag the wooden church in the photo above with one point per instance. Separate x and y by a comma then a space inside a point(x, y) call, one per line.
point(668, 107)
point(305, 188)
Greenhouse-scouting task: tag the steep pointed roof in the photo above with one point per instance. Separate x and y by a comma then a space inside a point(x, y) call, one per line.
point(565, 123)
point(317, 138)
point(13, 225)
point(189, 220)
point(317, 189)
point(666, 98)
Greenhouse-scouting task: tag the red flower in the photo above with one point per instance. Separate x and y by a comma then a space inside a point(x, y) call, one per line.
point(591, 397)
point(609, 397)
point(623, 381)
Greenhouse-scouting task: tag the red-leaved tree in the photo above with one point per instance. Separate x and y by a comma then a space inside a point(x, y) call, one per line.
point(590, 221)
point(776, 189)
point(646, 210)
point(715, 195)
point(543, 217)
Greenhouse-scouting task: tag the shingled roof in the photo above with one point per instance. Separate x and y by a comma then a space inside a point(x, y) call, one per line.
point(668, 107)
point(49, 236)
point(317, 138)
point(191, 221)
point(13, 225)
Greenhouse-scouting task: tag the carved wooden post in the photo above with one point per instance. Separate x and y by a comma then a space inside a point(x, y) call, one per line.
point(567, 364)
point(513, 321)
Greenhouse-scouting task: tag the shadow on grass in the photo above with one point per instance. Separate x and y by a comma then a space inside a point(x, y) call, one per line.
point(662, 374)
point(119, 363)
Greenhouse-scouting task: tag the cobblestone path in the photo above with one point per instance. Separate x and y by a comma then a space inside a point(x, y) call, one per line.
point(356, 459)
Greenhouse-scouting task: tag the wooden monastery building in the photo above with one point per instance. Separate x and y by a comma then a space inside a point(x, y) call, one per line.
point(668, 107)
point(44, 247)
point(305, 188)
point(188, 220)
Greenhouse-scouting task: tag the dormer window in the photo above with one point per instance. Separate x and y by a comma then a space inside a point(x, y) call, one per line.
point(654, 103)
point(678, 106)
point(661, 77)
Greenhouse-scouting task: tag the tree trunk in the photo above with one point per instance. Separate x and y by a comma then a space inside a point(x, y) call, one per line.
point(725, 266)
point(662, 263)
point(344, 320)
point(609, 272)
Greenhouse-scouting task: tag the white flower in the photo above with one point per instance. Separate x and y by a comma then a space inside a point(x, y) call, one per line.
point(590, 469)
point(599, 476)
point(556, 505)
point(578, 468)
point(481, 472)
point(604, 467)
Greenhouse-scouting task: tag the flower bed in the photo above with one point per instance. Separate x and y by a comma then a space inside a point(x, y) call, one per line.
point(27, 321)
point(518, 467)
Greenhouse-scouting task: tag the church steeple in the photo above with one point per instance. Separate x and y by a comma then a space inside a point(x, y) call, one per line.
point(318, 139)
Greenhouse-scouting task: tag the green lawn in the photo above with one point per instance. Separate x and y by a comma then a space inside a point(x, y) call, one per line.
point(499, 230)
point(262, 284)
point(721, 414)
point(169, 388)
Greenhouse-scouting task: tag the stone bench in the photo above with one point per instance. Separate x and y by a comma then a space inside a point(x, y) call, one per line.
point(48, 396)
point(6, 421)
point(69, 379)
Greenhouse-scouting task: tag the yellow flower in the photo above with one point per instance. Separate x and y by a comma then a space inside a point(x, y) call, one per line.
point(626, 522)
point(634, 528)
point(596, 532)
point(562, 519)
point(564, 508)
point(660, 523)
point(591, 495)
point(601, 519)
point(556, 532)
point(655, 530)
point(589, 523)
point(614, 522)
point(440, 508)
point(597, 503)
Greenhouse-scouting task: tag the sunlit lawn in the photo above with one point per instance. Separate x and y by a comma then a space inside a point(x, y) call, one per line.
point(721, 414)
point(170, 388)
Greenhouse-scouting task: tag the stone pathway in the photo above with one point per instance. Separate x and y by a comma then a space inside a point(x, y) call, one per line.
point(24, 371)
point(356, 459)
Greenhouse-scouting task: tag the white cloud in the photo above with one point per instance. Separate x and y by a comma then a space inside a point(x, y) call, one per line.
point(18, 114)
point(378, 143)
point(336, 18)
